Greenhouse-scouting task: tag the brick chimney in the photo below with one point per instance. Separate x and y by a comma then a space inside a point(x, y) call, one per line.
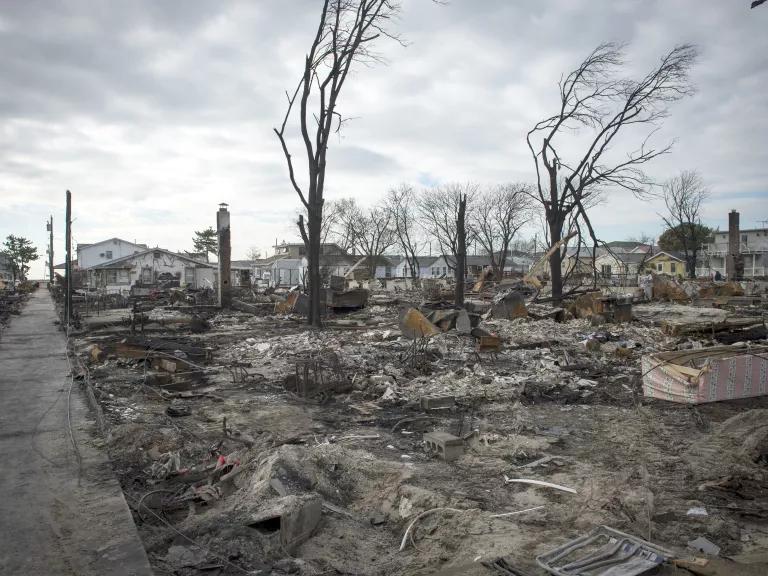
point(733, 258)
point(225, 256)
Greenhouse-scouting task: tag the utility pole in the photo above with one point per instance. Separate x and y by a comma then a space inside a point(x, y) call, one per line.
point(50, 250)
point(68, 265)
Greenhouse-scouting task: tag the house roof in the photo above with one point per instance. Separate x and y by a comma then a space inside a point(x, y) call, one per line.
point(124, 261)
point(628, 244)
point(673, 255)
point(394, 259)
point(633, 257)
point(288, 263)
point(471, 259)
point(110, 240)
point(337, 260)
point(426, 261)
point(63, 265)
point(742, 231)
point(241, 264)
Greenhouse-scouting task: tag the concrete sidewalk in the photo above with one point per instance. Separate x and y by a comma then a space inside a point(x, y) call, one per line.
point(57, 516)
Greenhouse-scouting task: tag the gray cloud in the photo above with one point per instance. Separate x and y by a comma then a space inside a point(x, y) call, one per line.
point(153, 112)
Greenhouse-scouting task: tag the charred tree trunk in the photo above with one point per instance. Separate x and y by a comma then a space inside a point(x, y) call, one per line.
point(313, 256)
point(555, 263)
point(461, 252)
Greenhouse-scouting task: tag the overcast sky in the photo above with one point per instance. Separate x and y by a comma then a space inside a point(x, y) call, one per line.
point(152, 112)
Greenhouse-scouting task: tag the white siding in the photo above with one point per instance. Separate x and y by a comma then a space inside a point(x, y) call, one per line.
point(105, 251)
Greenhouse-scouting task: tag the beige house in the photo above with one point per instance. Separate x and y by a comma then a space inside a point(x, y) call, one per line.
point(666, 263)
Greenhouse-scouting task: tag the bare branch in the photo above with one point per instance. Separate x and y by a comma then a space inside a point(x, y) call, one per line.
point(594, 98)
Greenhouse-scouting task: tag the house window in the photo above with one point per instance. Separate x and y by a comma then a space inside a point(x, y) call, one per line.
point(606, 270)
point(673, 267)
point(445, 270)
point(109, 254)
point(660, 267)
point(744, 238)
point(388, 272)
point(111, 276)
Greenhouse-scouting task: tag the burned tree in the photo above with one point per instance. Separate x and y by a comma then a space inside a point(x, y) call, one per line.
point(592, 97)
point(338, 225)
point(345, 35)
point(498, 216)
point(443, 214)
point(401, 203)
point(683, 197)
point(372, 232)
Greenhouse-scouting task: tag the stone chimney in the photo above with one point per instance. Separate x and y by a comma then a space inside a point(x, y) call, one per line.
point(733, 258)
point(225, 256)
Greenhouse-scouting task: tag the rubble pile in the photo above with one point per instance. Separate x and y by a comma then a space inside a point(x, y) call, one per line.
point(412, 437)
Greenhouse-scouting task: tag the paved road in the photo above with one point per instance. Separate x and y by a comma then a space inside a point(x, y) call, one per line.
point(57, 517)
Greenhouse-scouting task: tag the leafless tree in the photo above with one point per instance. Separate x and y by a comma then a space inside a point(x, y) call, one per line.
point(373, 234)
point(683, 196)
point(345, 35)
point(401, 203)
point(253, 253)
point(443, 214)
point(341, 226)
point(593, 97)
point(499, 214)
point(642, 238)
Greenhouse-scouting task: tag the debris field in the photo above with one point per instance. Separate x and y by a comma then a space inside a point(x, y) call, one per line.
point(407, 437)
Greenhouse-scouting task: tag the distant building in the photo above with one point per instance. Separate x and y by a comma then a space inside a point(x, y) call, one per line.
point(670, 263)
point(89, 255)
point(753, 249)
point(6, 268)
point(444, 266)
point(154, 266)
point(403, 270)
point(298, 250)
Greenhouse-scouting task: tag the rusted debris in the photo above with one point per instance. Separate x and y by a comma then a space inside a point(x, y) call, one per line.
point(669, 289)
point(353, 299)
point(414, 324)
point(509, 305)
point(286, 306)
point(318, 378)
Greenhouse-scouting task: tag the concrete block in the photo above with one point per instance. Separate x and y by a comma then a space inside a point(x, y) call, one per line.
point(437, 402)
point(288, 521)
point(446, 445)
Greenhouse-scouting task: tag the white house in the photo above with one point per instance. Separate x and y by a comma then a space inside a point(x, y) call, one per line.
point(402, 269)
point(151, 266)
point(386, 266)
point(6, 268)
point(753, 247)
point(89, 255)
point(444, 265)
point(287, 272)
point(518, 263)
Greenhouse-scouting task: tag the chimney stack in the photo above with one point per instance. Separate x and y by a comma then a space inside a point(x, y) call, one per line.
point(225, 256)
point(734, 257)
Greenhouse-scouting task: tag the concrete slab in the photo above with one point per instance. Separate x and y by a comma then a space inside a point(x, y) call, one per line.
point(59, 514)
